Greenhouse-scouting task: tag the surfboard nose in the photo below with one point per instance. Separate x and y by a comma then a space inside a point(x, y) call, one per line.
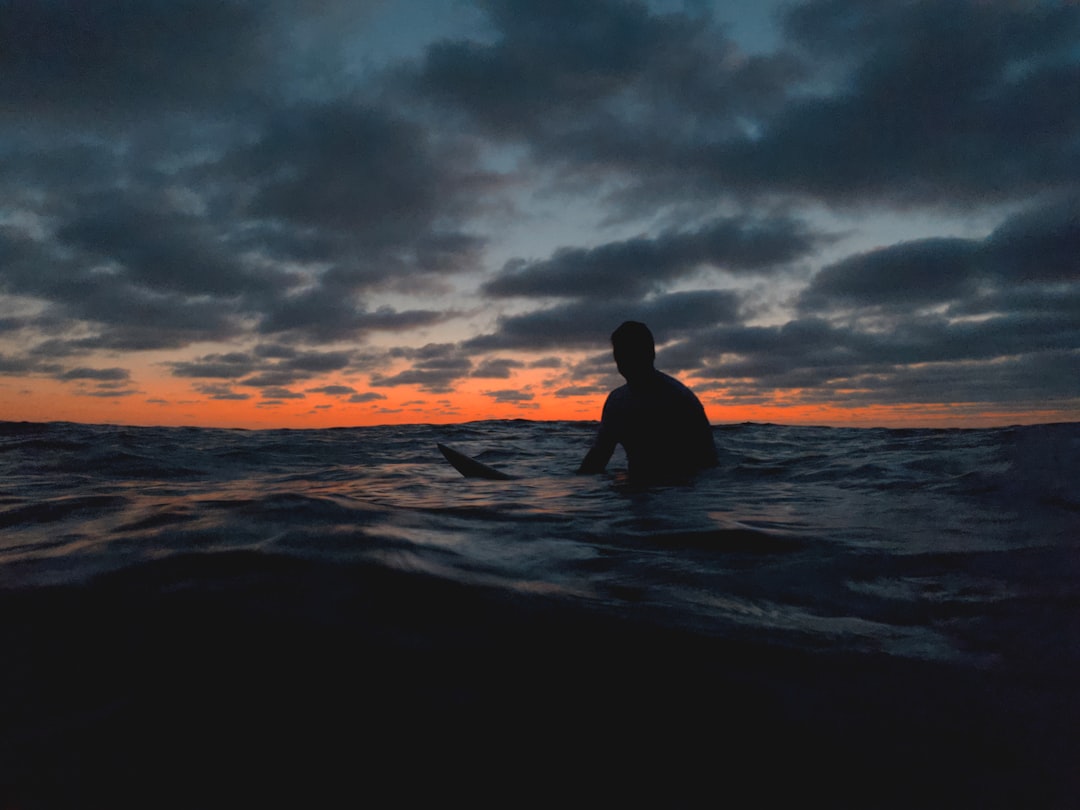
point(470, 467)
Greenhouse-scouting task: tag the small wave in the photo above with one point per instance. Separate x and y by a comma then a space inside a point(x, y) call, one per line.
point(168, 516)
point(42, 445)
point(740, 540)
point(57, 509)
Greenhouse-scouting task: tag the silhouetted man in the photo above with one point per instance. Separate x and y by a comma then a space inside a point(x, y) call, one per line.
point(658, 420)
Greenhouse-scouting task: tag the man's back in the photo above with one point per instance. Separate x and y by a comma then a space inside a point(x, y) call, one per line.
point(661, 425)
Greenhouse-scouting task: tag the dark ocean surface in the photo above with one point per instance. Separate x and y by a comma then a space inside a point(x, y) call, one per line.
point(855, 617)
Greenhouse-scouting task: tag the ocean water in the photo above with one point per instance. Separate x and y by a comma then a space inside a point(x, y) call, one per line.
point(866, 617)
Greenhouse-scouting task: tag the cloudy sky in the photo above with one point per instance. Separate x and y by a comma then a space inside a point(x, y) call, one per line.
point(350, 212)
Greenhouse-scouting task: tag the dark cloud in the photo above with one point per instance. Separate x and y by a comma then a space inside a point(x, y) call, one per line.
point(221, 392)
point(270, 367)
point(584, 324)
point(100, 374)
point(833, 359)
point(149, 244)
point(370, 192)
point(108, 393)
point(547, 362)
point(275, 350)
point(39, 160)
point(437, 381)
point(356, 168)
point(125, 313)
point(946, 103)
point(179, 230)
point(16, 366)
point(317, 362)
point(963, 385)
point(326, 315)
point(497, 368)
point(905, 275)
point(637, 267)
point(1024, 262)
point(14, 324)
point(1041, 244)
point(511, 396)
point(103, 375)
point(130, 319)
point(435, 367)
point(580, 391)
point(942, 103)
point(96, 382)
point(224, 366)
point(606, 80)
point(367, 396)
point(333, 390)
point(114, 56)
point(367, 191)
point(1051, 301)
point(272, 378)
point(272, 392)
point(143, 273)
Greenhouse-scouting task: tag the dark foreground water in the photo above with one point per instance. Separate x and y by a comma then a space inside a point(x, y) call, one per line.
point(867, 618)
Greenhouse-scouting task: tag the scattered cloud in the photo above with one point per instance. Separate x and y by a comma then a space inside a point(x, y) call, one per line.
point(99, 374)
point(220, 392)
point(333, 390)
point(497, 368)
point(368, 396)
point(510, 395)
point(434, 368)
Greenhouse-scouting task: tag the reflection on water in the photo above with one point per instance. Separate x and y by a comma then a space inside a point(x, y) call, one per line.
point(819, 533)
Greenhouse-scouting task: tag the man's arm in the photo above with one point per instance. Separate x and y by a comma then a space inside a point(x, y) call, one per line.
point(707, 443)
point(604, 445)
point(597, 458)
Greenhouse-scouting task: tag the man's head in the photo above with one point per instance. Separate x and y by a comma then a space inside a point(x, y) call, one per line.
point(634, 350)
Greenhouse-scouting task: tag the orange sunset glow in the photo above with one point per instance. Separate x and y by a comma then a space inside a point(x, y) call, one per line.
point(174, 405)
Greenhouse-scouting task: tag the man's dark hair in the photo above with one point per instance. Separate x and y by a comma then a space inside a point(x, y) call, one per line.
point(633, 339)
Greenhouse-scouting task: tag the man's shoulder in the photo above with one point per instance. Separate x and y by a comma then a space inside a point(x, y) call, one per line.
point(663, 388)
point(668, 380)
point(618, 396)
point(676, 386)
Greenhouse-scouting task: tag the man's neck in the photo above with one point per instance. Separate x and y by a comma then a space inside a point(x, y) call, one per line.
point(643, 379)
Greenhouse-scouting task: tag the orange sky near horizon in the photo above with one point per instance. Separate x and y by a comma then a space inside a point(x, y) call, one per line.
point(174, 403)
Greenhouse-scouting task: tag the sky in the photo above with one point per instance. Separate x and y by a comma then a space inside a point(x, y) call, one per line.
point(317, 213)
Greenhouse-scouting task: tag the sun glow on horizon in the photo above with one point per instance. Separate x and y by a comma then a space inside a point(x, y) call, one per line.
point(530, 396)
